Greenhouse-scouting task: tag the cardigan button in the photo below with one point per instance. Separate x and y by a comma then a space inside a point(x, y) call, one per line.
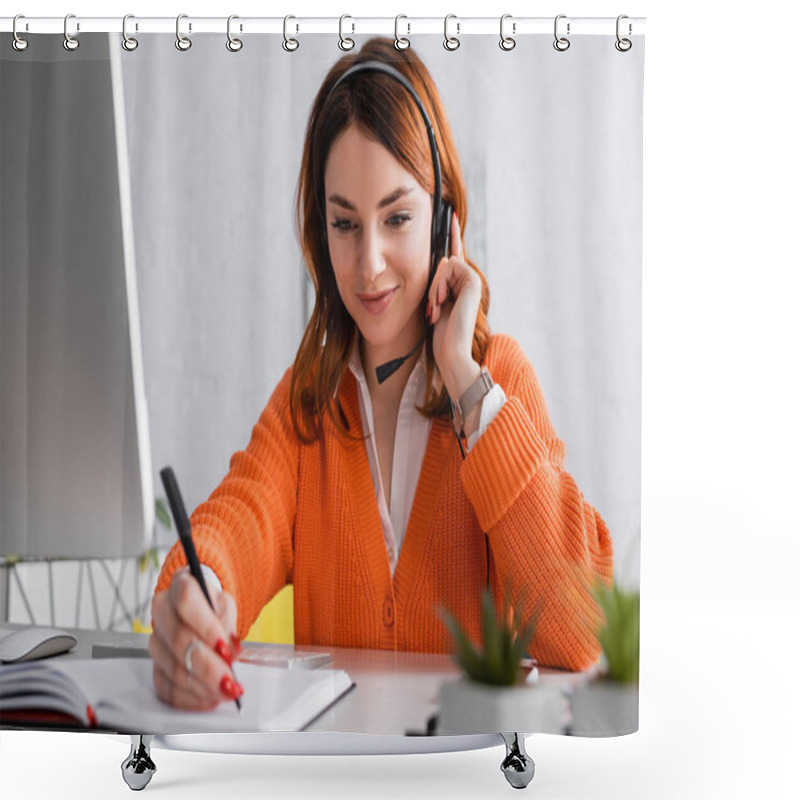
point(388, 612)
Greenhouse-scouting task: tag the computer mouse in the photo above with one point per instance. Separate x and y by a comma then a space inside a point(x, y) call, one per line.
point(26, 644)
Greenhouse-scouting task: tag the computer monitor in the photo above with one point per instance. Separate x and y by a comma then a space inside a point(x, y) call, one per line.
point(75, 469)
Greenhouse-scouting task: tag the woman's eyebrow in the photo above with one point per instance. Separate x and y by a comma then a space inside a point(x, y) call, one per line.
point(338, 200)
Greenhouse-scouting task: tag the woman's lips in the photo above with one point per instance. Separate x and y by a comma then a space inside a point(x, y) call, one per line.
point(375, 304)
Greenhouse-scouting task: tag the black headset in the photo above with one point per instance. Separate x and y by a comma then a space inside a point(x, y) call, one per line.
point(442, 209)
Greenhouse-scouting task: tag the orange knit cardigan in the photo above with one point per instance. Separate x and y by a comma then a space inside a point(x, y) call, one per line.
point(308, 515)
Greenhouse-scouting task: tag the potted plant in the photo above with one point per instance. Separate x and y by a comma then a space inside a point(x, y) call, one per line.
point(495, 693)
point(610, 703)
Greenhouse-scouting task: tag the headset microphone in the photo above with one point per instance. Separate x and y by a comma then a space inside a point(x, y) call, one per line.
point(442, 210)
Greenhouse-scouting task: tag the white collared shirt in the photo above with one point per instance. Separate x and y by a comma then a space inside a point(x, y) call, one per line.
point(410, 443)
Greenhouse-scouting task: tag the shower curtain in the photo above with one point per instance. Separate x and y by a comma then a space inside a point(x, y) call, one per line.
point(180, 168)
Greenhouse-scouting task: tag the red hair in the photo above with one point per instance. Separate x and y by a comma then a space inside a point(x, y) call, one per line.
point(384, 111)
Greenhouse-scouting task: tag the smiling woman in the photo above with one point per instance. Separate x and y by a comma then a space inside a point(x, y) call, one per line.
point(382, 501)
point(379, 243)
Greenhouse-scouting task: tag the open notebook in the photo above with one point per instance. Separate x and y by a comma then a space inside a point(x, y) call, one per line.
point(119, 694)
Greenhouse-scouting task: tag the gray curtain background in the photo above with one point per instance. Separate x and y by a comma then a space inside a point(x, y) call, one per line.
point(551, 148)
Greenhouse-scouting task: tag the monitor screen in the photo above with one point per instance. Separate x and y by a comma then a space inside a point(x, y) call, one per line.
point(75, 471)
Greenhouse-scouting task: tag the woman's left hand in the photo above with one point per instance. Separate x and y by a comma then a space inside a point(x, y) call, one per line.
point(454, 300)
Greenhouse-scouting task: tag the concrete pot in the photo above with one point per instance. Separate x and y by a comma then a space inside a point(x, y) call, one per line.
point(467, 707)
point(605, 708)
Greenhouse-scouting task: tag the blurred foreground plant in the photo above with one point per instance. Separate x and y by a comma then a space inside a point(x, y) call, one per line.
point(619, 637)
point(506, 637)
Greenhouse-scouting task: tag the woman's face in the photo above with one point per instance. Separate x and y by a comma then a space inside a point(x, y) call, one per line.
point(379, 230)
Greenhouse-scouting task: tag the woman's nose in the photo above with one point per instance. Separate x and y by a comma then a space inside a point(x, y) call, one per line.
point(372, 257)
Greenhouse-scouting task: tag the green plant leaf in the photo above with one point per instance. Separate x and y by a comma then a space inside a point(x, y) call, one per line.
point(492, 636)
point(619, 636)
point(506, 635)
point(466, 654)
point(162, 513)
point(149, 556)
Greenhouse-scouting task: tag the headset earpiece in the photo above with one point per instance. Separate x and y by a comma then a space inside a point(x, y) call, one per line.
point(444, 231)
point(441, 242)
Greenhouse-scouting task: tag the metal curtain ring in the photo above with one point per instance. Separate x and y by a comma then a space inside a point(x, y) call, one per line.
point(128, 42)
point(561, 43)
point(401, 43)
point(623, 45)
point(18, 43)
point(233, 44)
point(187, 658)
point(70, 42)
point(182, 42)
point(290, 45)
point(507, 42)
point(451, 42)
point(345, 42)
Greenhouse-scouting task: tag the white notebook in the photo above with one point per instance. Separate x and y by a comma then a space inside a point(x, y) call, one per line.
point(119, 694)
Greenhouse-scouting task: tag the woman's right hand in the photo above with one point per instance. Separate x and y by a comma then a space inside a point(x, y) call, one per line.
point(181, 615)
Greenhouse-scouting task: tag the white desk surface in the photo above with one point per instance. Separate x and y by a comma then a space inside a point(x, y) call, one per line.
point(396, 692)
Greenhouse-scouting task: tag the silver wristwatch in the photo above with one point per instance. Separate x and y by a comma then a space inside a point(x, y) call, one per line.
point(471, 397)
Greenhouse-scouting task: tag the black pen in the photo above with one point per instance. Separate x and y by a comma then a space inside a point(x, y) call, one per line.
point(185, 534)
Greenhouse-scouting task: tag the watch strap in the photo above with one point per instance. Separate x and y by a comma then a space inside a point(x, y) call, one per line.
point(475, 392)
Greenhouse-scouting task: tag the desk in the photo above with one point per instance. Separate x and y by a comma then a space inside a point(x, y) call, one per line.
point(396, 693)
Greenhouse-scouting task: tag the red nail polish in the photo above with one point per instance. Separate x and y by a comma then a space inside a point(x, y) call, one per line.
point(228, 687)
point(223, 651)
point(236, 644)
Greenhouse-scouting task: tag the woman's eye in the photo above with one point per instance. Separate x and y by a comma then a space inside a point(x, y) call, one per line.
point(398, 220)
point(394, 221)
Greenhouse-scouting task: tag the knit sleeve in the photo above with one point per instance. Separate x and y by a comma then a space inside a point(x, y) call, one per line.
point(244, 530)
point(547, 541)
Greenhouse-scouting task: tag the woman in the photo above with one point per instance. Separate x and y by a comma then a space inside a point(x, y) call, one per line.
point(361, 493)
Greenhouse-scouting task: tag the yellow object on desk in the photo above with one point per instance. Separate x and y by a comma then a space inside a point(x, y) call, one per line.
point(275, 623)
point(138, 626)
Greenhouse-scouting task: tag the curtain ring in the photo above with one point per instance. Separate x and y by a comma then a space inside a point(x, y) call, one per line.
point(623, 45)
point(182, 42)
point(18, 43)
point(401, 43)
point(345, 42)
point(70, 42)
point(507, 42)
point(451, 42)
point(561, 43)
point(289, 44)
point(233, 44)
point(128, 42)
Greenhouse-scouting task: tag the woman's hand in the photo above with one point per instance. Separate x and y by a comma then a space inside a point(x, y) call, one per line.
point(454, 301)
point(181, 616)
